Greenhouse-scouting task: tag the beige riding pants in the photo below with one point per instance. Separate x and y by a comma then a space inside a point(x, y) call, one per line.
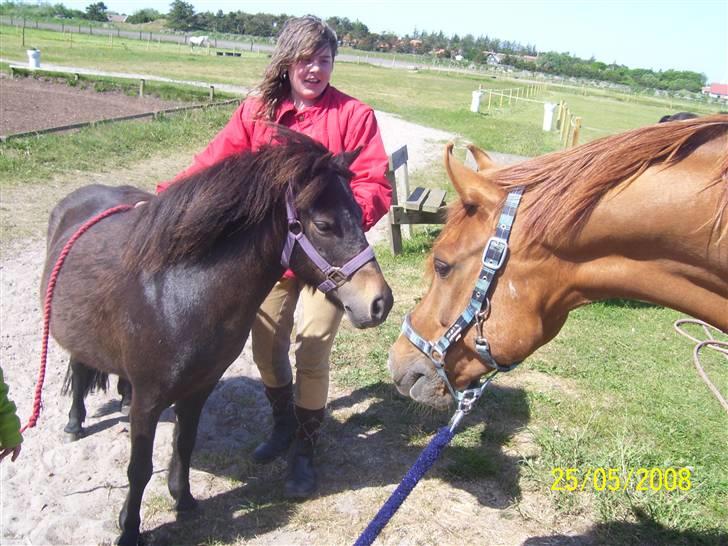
point(316, 323)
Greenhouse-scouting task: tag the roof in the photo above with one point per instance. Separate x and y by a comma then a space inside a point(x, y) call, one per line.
point(718, 89)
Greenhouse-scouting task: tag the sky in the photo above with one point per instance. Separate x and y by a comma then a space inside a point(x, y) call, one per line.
point(654, 34)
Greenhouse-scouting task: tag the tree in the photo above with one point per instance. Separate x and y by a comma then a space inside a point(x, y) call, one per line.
point(96, 12)
point(181, 16)
point(143, 16)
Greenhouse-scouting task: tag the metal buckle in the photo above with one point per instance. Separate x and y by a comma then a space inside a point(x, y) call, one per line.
point(498, 246)
point(336, 276)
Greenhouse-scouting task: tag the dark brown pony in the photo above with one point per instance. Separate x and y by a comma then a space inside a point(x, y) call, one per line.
point(165, 295)
point(640, 215)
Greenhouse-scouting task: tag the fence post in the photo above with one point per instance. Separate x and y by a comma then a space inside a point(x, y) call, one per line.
point(559, 114)
point(212, 93)
point(141, 88)
point(490, 96)
point(577, 128)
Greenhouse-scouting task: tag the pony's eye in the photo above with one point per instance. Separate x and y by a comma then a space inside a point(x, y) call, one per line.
point(323, 227)
point(442, 268)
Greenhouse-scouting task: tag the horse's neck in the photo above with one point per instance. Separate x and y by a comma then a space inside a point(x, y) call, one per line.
point(655, 240)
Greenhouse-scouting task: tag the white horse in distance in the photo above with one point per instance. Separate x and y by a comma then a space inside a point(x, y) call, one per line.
point(199, 41)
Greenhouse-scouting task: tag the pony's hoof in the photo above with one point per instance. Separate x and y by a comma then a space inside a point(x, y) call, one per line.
point(69, 437)
point(186, 504)
point(124, 409)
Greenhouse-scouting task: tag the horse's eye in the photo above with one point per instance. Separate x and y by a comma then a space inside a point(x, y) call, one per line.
point(442, 268)
point(323, 227)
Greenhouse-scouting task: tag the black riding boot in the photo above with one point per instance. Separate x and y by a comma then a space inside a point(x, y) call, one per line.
point(284, 425)
point(301, 479)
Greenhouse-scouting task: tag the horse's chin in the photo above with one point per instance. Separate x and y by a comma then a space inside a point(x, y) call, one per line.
point(429, 391)
point(420, 383)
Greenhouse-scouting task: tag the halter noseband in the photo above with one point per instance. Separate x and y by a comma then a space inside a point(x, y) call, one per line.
point(335, 276)
point(494, 254)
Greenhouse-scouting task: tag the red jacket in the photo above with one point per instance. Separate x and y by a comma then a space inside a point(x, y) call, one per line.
point(339, 122)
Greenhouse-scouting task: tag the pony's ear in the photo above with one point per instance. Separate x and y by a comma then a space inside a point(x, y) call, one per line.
point(347, 158)
point(474, 190)
point(482, 159)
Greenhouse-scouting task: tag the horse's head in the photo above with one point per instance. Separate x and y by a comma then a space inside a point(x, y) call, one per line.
point(515, 306)
point(331, 220)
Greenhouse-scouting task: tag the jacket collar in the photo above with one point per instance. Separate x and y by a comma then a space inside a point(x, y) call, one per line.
point(321, 104)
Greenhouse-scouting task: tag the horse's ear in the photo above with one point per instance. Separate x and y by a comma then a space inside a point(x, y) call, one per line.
point(473, 189)
point(482, 159)
point(347, 158)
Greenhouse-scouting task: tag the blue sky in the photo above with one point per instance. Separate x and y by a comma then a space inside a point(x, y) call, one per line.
point(678, 34)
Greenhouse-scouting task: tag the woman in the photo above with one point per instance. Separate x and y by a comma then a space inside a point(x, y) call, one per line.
point(295, 92)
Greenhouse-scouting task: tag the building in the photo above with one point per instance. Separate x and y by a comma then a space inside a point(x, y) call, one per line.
point(717, 91)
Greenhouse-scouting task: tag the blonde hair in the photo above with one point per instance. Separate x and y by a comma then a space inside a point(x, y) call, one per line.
point(300, 38)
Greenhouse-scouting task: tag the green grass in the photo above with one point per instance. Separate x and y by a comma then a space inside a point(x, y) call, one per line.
point(102, 84)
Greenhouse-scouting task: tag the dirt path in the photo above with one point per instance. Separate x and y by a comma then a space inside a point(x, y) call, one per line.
point(59, 493)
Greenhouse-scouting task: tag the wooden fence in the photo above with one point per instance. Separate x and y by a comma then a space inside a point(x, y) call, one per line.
point(569, 126)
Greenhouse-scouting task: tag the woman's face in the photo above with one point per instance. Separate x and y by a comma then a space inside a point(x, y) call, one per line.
point(309, 77)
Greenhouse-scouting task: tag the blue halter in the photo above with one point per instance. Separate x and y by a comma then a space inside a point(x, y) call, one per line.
point(494, 255)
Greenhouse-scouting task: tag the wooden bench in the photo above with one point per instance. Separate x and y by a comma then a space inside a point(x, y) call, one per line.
point(421, 206)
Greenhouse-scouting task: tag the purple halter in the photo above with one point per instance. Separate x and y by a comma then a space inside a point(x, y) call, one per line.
point(335, 276)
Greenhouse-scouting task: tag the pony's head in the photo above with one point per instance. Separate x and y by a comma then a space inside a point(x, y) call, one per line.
point(330, 219)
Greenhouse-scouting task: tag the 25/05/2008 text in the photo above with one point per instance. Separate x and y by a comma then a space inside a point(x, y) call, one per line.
point(618, 479)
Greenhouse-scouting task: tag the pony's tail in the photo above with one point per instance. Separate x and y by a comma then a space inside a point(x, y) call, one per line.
point(95, 380)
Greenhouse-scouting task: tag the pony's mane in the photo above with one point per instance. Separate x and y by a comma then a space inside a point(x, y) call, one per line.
point(569, 184)
point(196, 213)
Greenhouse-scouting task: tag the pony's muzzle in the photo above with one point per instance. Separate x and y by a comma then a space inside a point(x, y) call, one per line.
point(366, 297)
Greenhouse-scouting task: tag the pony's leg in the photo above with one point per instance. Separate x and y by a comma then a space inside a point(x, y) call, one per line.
point(185, 433)
point(123, 387)
point(81, 376)
point(143, 416)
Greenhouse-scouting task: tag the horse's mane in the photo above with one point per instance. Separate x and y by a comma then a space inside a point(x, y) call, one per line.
point(570, 183)
point(196, 213)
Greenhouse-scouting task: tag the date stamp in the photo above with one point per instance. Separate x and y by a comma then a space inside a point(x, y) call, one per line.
point(622, 479)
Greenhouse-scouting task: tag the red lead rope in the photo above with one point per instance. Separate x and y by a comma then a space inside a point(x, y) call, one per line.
point(47, 307)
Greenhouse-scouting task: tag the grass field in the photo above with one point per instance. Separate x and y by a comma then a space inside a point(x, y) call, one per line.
point(628, 397)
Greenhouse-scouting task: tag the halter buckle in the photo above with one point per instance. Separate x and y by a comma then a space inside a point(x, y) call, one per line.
point(495, 253)
point(336, 276)
point(437, 356)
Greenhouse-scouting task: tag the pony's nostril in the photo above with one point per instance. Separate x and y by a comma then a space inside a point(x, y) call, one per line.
point(380, 308)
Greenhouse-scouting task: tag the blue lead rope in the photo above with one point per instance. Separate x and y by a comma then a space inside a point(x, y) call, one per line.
point(425, 461)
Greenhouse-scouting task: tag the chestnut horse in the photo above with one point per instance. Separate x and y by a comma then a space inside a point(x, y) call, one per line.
point(164, 295)
point(639, 215)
